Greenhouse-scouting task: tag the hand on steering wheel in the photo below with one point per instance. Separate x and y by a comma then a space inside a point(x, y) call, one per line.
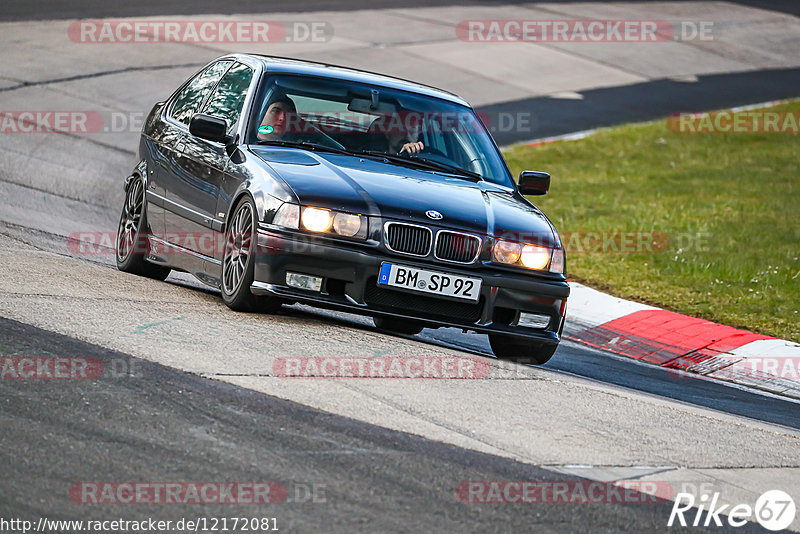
point(412, 148)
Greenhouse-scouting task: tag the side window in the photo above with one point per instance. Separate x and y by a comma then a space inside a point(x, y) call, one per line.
point(228, 99)
point(189, 100)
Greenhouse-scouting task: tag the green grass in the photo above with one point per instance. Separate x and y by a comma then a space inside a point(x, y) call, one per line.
point(730, 204)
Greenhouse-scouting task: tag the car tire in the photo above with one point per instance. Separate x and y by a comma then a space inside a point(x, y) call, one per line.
point(398, 326)
point(521, 350)
point(238, 263)
point(131, 245)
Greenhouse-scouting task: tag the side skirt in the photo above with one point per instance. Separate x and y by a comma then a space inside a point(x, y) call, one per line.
point(204, 268)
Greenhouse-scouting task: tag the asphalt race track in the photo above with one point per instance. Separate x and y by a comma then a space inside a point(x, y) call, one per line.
point(207, 430)
point(194, 395)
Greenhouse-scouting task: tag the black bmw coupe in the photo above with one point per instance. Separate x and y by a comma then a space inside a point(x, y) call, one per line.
point(282, 181)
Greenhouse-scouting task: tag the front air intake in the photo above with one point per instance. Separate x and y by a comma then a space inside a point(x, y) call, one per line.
point(408, 238)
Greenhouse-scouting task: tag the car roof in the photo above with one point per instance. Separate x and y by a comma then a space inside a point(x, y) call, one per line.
point(278, 64)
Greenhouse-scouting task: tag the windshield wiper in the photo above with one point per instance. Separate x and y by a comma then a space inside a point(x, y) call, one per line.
point(308, 146)
point(402, 160)
point(426, 164)
point(452, 169)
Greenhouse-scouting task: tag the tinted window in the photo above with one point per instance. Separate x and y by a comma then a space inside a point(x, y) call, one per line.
point(189, 100)
point(228, 98)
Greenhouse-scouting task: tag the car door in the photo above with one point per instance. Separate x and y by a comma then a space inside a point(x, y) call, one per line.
point(226, 102)
point(189, 188)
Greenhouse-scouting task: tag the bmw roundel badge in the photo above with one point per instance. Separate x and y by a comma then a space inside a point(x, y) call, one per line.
point(433, 214)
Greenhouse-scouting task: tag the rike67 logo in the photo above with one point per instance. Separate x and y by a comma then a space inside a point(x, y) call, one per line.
point(774, 510)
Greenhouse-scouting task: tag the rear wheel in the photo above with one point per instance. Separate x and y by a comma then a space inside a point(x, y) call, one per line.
point(398, 326)
point(131, 245)
point(238, 263)
point(521, 350)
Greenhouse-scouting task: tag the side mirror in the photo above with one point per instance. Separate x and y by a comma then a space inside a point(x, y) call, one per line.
point(210, 128)
point(534, 182)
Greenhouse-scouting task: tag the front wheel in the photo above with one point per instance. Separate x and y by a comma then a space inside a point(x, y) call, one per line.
point(238, 263)
point(131, 244)
point(521, 350)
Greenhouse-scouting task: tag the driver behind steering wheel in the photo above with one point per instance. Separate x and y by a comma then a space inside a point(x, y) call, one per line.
point(279, 119)
point(384, 137)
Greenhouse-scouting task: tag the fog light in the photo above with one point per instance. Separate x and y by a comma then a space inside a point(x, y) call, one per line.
point(304, 281)
point(533, 320)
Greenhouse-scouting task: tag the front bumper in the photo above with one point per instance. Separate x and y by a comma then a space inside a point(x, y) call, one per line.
point(350, 274)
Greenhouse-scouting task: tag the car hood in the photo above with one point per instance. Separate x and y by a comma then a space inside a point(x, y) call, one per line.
point(377, 188)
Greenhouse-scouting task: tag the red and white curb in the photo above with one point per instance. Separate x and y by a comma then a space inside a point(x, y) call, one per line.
point(681, 342)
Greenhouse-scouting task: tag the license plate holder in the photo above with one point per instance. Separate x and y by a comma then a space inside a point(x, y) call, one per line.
point(429, 282)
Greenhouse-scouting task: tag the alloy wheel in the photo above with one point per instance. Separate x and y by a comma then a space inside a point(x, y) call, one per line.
point(237, 248)
point(130, 221)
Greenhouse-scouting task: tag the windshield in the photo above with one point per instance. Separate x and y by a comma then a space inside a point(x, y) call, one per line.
point(406, 128)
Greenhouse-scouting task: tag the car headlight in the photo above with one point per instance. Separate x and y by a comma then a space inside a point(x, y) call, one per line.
point(347, 224)
point(321, 221)
point(534, 257)
point(316, 220)
point(507, 252)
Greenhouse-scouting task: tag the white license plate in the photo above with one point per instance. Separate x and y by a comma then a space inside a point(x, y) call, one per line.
point(432, 282)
